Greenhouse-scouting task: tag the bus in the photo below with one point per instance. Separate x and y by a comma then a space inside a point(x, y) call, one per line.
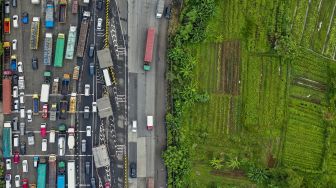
point(7, 140)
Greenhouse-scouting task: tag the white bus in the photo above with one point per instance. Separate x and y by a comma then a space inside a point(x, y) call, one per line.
point(107, 77)
point(71, 174)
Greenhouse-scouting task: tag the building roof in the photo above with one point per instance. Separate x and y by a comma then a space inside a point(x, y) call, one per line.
point(104, 58)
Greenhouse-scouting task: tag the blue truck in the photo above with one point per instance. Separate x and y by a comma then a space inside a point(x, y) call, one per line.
point(13, 64)
point(35, 104)
point(49, 19)
point(61, 181)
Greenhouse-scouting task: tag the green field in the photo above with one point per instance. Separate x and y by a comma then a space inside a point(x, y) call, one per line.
point(263, 109)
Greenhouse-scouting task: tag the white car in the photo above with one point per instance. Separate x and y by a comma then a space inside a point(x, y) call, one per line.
point(14, 44)
point(20, 67)
point(15, 92)
point(134, 126)
point(17, 181)
point(16, 21)
point(99, 23)
point(25, 166)
point(88, 130)
point(44, 144)
point(16, 105)
point(21, 97)
point(8, 164)
point(8, 179)
point(94, 106)
point(87, 90)
point(29, 116)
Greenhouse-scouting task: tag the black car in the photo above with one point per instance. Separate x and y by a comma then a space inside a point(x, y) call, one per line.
point(35, 63)
point(93, 182)
point(91, 50)
point(99, 4)
point(87, 167)
point(15, 123)
point(168, 12)
point(14, 3)
point(15, 79)
point(23, 148)
point(133, 170)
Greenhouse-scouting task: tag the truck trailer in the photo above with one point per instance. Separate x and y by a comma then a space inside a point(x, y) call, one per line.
point(62, 11)
point(71, 43)
point(52, 171)
point(149, 48)
point(42, 173)
point(58, 61)
point(83, 34)
point(159, 8)
point(71, 167)
point(45, 93)
point(49, 18)
point(47, 51)
point(7, 51)
point(34, 33)
point(7, 140)
point(7, 96)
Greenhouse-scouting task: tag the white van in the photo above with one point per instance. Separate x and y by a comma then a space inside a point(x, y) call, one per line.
point(134, 126)
point(52, 136)
point(22, 112)
point(16, 140)
point(87, 90)
point(44, 144)
point(25, 166)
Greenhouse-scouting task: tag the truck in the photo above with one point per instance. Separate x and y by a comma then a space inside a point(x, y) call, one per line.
point(54, 89)
point(149, 122)
point(59, 53)
point(7, 140)
point(7, 51)
point(13, 63)
point(107, 77)
point(71, 43)
point(47, 52)
point(52, 171)
point(71, 138)
point(150, 182)
point(42, 173)
point(74, 8)
point(63, 109)
point(83, 34)
point(75, 74)
point(61, 139)
point(61, 167)
point(159, 8)
point(149, 48)
point(7, 26)
point(73, 103)
point(65, 84)
point(53, 112)
point(34, 33)
point(60, 181)
point(49, 18)
point(35, 104)
point(47, 76)
point(21, 82)
point(45, 93)
point(7, 96)
point(35, 2)
point(62, 11)
point(71, 174)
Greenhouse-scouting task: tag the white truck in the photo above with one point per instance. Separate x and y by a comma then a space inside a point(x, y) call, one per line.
point(159, 8)
point(55, 85)
point(35, 2)
point(71, 167)
point(71, 138)
point(45, 93)
point(21, 83)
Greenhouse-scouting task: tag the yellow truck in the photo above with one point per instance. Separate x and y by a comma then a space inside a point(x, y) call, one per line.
point(73, 103)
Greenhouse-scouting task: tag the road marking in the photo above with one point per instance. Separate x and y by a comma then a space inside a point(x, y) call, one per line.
point(47, 131)
point(56, 155)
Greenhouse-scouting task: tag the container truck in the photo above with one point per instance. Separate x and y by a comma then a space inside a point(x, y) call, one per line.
point(159, 8)
point(65, 84)
point(52, 171)
point(47, 52)
point(7, 25)
point(83, 34)
point(60, 181)
point(7, 140)
point(75, 74)
point(34, 33)
point(71, 138)
point(149, 48)
point(35, 104)
point(49, 19)
point(58, 61)
point(7, 51)
point(55, 85)
point(42, 173)
point(73, 103)
point(13, 63)
point(71, 42)
point(61, 140)
point(7, 96)
point(45, 93)
point(71, 174)
point(62, 10)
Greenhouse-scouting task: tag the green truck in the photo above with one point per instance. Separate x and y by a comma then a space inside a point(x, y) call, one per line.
point(58, 61)
point(42, 173)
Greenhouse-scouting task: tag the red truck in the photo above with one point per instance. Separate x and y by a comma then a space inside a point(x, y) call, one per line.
point(74, 8)
point(7, 95)
point(7, 26)
point(149, 48)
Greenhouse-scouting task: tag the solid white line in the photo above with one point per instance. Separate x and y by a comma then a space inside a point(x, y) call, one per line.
point(46, 155)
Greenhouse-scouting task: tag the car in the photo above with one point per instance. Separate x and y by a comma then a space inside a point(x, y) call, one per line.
point(16, 21)
point(107, 185)
point(29, 116)
point(16, 105)
point(15, 79)
point(24, 165)
point(93, 182)
point(83, 145)
point(23, 148)
point(43, 130)
point(45, 111)
point(91, 50)
point(25, 17)
point(31, 138)
point(17, 180)
point(15, 122)
point(16, 139)
point(99, 23)
point(91, 69)
point(87, 90)
point(44, 144)
point(20, 67)
point(15, 92)
point(7, 72)
point(52, 136)
point(100, 4)
point(14, 44)
point(94, 106)
point(61, 146)
point(133, 170)
point(21, 82)
point(86, 112)
point(21, 97)
point(14, 3)
point(87, 167)
point(134, 126)
point(22, 128)
point(8, 164)
point(168, 12)
point(36, 160)
point(25, 183)
point(7, 7)
point(8, 179)
point(22, 112)
point(88, 130)
point(34, 63)
point(16, 158)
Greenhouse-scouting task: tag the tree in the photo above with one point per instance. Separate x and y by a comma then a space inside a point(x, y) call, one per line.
point(258, 175)
point(233, 163)
point(286, 47)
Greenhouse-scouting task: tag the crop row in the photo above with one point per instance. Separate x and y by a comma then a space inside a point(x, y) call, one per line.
point(310, 23)
point(306, 92)
point(298, 20)
point(331, 45)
